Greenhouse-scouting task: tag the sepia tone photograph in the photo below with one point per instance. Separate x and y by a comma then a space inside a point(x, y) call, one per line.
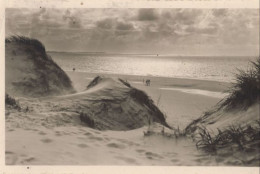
point(132, 87)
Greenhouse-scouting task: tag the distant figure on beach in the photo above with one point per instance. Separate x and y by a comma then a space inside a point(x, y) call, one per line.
point(148, 82)
point(74, 69)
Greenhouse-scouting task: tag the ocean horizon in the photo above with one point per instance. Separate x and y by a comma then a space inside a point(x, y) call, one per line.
point(215, 68)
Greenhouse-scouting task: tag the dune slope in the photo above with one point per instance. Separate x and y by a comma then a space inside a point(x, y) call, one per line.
point(31, 72)
point(110, 104)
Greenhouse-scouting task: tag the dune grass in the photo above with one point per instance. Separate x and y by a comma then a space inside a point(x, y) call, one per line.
point(240, 136)
point(125, 82)
point(11, 102)
point(245, 91)
point(84, 117)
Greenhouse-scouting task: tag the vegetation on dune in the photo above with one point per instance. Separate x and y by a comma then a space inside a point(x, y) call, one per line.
point(94, 82)
point(245, 90)
point(50, 78)
point(27, 41)
point(242, 137)
point(125, 83)
point(150, 111)
point(142, 98)
point(84, 117)
point(244, 93)
point(11, 102)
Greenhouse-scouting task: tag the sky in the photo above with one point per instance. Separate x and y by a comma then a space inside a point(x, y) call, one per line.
point(217, 32)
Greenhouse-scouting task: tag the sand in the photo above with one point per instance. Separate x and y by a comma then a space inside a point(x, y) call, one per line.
point(178, 98)
point(54, 137)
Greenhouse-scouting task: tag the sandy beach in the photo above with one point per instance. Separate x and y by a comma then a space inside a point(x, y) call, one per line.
point(64, 139)
point(131, 86)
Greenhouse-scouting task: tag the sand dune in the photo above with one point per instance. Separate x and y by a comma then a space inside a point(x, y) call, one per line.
point(31, 72)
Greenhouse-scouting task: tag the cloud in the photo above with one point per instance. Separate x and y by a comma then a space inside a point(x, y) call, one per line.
point(73, 20)
point(105, 24)
point(147, 15)
point(186, 16)
point(210, 30)
point(136, 30)
point(124, 26)
point(220, 12)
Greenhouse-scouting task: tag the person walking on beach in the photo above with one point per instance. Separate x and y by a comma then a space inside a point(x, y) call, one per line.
point(74, 69)
point(148, 81)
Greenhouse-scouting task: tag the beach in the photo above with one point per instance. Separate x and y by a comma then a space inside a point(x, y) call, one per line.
point(131, 87)
point(182, 100)
point(63, 139)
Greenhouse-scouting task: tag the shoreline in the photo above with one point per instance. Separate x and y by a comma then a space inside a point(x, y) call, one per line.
point(163, 82)
point(151, 76)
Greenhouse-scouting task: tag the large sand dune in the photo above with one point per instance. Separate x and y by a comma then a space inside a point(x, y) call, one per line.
point(31, 72)
point(110, 104)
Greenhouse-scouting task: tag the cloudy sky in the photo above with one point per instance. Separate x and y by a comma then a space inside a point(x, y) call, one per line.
point(151, 31)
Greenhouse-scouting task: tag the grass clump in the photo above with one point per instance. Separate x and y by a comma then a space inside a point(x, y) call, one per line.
point(125, 82)
point(11, 102)
point(142, 98)
point(245, 90)
point(86, 118)
point(241, 137)
point(94, 82)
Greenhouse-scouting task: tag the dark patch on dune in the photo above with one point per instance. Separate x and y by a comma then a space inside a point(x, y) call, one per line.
point(94, 82)
point(31, 72)
point(11, 103)
point(143, 99)
point(121, 108)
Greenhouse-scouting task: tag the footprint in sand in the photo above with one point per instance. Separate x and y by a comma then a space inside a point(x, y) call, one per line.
point(8, 152)
point(82, 145)
point(151, 155)
point(127, 160)
point(42, 133)
point(46, 140)
point(107, 139)
point(10, 158)
point(88, 133)
point(96, 138)
point(140, 150)
point(58, 133)
point(28, 160)
point(114, 145)
point(175, 160)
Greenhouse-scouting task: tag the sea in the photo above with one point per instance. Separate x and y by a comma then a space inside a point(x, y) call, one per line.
point(216, 68)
